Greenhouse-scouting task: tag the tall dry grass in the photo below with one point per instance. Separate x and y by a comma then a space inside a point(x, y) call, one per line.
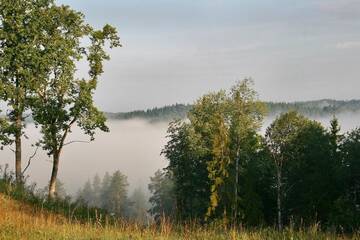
point(19, 221)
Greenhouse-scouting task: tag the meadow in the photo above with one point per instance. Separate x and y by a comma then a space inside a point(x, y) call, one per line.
point(24, 221)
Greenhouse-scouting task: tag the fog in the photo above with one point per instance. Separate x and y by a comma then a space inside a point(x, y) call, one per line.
point(131, 146)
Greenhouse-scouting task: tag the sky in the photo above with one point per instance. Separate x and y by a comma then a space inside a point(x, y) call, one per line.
point(176, 51)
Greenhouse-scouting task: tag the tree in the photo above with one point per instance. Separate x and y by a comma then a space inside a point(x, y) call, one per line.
point(208, 154)
point(115, 199)
point(96, 186)
point(24, 56)
point(348, 214)
point(335, 137)
point(138, 209)
point(246, 116)
point(86, 194)
point(187, 170)
point(278, 137)
point(162, 199)
point(312, 179)
point(61, 100)
point(227, 123)
point(105, 185)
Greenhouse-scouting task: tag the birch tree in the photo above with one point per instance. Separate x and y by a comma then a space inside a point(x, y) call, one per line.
point(279, 136)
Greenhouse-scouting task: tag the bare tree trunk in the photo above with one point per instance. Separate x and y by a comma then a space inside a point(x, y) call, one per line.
point(18, 172)
point(279, 210)
point(52, 184)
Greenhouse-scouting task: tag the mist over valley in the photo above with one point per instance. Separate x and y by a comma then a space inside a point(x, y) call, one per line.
point(132, 146)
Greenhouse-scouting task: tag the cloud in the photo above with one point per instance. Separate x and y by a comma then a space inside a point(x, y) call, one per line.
point(348, 45)
point(344, 9)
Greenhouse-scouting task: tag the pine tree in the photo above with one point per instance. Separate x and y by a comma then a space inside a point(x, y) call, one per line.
point(96, 186)
point(105, 185)
point(116, 201)
point(335, 136)
point(87, 194)
point(138, 203)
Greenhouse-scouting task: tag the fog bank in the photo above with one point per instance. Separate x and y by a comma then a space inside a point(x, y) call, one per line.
point(131, 146)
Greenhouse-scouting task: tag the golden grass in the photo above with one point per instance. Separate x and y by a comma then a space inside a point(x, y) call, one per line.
point(19, 221)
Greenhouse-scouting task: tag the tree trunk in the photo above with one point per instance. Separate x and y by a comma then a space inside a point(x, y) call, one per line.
point(52, 184)
point(18, 172)
point(236, 185)
point(279, 211)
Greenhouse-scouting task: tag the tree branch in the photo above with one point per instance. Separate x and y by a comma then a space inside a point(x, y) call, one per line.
point(61, 145)
point(29, 161)
point(68, 143)
point(11, 149)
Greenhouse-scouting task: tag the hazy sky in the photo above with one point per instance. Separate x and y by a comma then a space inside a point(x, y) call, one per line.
point(175, 51)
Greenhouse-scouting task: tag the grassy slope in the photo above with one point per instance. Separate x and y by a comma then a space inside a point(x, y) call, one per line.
point(19, 221)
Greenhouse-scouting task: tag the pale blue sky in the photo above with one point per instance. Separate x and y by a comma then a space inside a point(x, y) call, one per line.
point(175, 51)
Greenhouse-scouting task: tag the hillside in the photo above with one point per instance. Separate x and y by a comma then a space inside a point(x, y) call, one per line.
point(318, 108)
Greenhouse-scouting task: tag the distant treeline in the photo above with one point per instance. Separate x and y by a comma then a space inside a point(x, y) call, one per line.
point(317, 108)
point(166, 113)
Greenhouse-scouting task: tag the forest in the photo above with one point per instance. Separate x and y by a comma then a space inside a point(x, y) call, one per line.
point(220, 168)
point(311, 109)
point(224, 179)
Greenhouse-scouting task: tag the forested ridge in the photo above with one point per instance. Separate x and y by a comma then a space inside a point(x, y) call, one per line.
point(316, 108)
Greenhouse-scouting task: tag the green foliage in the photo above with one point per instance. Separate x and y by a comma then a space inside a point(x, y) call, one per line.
point(300, 174)
point(311, 185)
point(5, 131)
point(188, 170)
point(202, 153)
point(61, 99)
point(162, 200)
point(23, 61)
point(347, 212)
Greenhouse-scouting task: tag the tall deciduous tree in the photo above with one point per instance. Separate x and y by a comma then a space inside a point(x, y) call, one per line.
point(227, 123)
point(61, 100)
point(24, 60)
point(208, 154)
point(279, 136)
point(246, 116)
